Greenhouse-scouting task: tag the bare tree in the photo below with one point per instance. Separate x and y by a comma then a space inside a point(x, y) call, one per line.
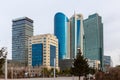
point(2, 59)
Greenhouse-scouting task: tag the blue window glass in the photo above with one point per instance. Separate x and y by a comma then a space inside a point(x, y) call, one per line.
point(37, 54)
point(78, 33)
point(52, 54)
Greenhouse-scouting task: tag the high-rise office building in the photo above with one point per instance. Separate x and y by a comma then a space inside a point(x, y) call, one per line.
point(76, 34)
point(93, 41)
point(70, 34)
point(61, 31)
point(22, 29)
point(42, 49)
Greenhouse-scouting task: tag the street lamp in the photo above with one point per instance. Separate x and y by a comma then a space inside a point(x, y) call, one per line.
point(3, 55)
point(54, 67)
point(72, 69)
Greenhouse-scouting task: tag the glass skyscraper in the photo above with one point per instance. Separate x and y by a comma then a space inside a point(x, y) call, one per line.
point(93, 41)
point(76, 34)
point(60, 31)
point(22, 28)
point(70, 34)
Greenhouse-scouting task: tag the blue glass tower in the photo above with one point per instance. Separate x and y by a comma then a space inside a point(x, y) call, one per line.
point(60, 31)
point(93, 42)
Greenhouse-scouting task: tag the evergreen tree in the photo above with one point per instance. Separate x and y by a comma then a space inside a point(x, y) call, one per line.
point(80, 65)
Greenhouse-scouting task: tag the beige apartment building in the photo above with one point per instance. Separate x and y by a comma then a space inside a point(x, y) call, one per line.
point(94, 64)
point(42, 50)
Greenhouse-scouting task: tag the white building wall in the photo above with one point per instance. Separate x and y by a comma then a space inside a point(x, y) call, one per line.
point(94, 63)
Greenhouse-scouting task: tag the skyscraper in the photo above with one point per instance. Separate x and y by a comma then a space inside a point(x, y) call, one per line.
point(61, 31)
point(22, 29)
point(70, 34)
point(76, 34)
point(42, 49)
point(93, 41)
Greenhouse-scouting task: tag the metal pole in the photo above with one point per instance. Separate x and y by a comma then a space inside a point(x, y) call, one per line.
point(6, 68)
point(11, 72)
point(54, 67)
point(89, 76)
point(43, 72)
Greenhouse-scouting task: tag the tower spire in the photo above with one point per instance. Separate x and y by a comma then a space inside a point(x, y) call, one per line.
point(74, 13)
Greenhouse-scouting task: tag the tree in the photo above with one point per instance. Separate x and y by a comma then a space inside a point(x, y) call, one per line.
point(52, 72)
point(80, 66)
point(2, 60)
point(92, 70)
point(99, 75)
point(45, 72)
point(66, 72)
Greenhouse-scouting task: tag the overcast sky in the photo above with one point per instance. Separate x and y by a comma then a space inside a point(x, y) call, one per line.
point(43, 11)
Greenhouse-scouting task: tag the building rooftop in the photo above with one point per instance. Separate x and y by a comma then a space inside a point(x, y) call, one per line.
point(22, 18)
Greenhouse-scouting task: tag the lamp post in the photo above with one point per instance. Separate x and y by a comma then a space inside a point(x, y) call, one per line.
point(43, 71)
point(54, 67)
point(72, 69)
point(6, 68)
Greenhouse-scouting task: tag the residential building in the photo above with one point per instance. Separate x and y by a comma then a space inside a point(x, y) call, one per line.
point(94, 64)
point(42, 49)
point(93, 39)
point(22, 29)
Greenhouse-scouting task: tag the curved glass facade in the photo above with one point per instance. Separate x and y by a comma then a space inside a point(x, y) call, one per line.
point(60, 31)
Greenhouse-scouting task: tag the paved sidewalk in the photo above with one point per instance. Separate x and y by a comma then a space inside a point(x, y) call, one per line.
point(57, 78)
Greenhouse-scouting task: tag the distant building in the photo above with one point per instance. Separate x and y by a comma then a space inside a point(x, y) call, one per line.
point(107, 61)
point(94, 64)
point(93, 39)
point(65, 64)
point(22, 29)
point(42, 49)
point(12, 63)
